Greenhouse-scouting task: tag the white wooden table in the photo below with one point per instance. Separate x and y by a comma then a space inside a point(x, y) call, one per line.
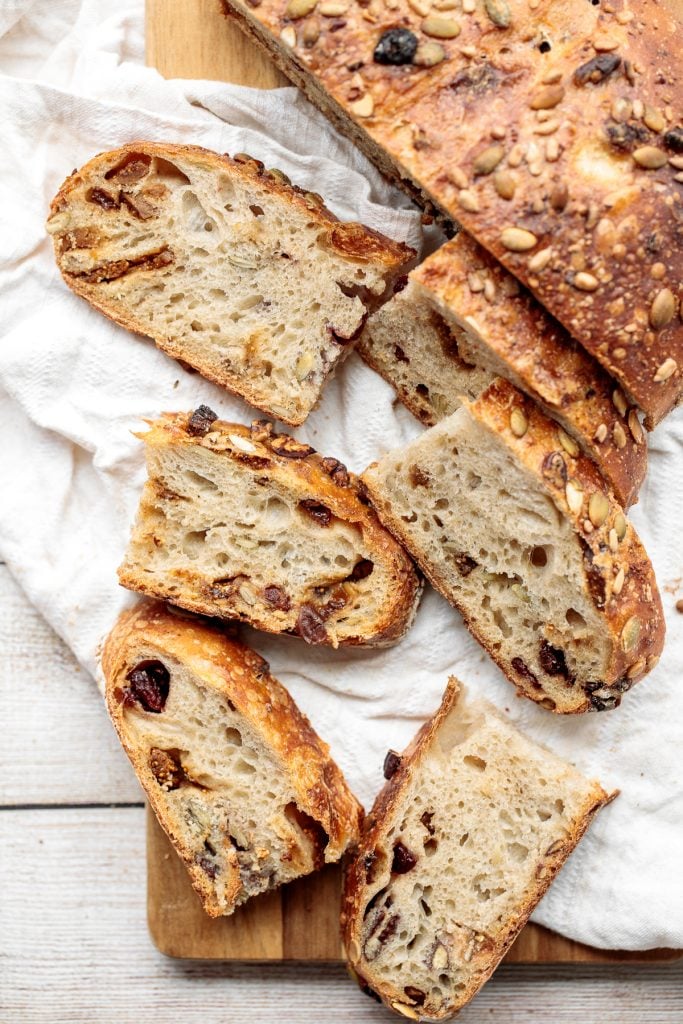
point(73, 936)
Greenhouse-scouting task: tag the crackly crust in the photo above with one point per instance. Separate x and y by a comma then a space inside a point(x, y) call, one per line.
point(242, 676)
point(568, 145)
point(308, 475)
point(378, 822)
point(630, 603)
point(549, 366)
point(351, 241)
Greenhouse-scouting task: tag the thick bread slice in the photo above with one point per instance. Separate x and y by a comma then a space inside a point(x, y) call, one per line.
point(227, 266)
point(551, 131)
point(462, 319)
point(461, 844)
point(244, 787)
point(526, 540)
point(246, 524)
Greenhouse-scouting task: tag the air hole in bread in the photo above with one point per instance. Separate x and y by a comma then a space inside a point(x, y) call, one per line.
point(195, 217)
point(243, 767)
point(472, 761)
point(233, 736)
point(430, 847)
point(575, 618)
point(518, 852)
point(194, 542)
point(167, 171)
point(539, 556)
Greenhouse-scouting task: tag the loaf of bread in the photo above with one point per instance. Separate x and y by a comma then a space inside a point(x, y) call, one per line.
point(551, 130)
point(248, 524)
point(244, 787)
point(526, 540)
point(228, 267)
point(461, 844)
point(462, 319)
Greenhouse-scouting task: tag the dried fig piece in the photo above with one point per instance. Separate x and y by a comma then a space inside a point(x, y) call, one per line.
point(166, 768)
point(100, 197)
point(318, 512)
point(133, 167)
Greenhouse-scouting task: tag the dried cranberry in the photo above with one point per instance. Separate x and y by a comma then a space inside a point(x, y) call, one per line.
point(277, 598)
point(311, 625)
point(317, 511)
point(552, 660)
point(200, 421)
point(149, 685)
point(523, 670)
point(673, 139)
point(404, 860)
point(392, 763)
point(426, 819)
point(395, 46)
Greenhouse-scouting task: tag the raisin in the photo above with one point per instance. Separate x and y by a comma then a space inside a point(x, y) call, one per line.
point(276, 597)
point(361, 570)
point(207, 865)
point(311, 625)
point(317, 511)
point(426, 819)
point(523, 670)
point(149, 685)
point(133, 167)
point(404, 859)
point(673, 139)
point(102, 198)
point(400, 283)
point(392, 762)
point(201, 420)
point(396, 46)
point(552, 660)
point(597, 69)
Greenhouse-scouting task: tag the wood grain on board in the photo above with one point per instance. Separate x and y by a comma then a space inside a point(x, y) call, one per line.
point(193, 39)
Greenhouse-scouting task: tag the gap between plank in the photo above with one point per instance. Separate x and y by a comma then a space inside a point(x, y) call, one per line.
point(69, 807)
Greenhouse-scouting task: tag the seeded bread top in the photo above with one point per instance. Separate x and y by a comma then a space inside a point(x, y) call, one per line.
point(241, 675)
point(465, 282)
point(619, 574)
point(547, 128)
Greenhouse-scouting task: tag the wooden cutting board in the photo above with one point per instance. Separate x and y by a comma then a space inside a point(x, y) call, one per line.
point(192, 39)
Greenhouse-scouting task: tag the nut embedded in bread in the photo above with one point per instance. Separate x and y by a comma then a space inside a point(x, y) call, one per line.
point(227, 266)
point(461, 844)
point(461, 320)
point(527, 541)
point(244, 787)
point(551, 131)
point(248, 524)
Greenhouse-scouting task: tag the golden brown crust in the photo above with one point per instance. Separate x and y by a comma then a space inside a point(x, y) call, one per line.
point(557, 119)
point(618, 575)
point(376, 825)
point(304, 471)
point(242, 676)
point(465, 281)
point(351, 241)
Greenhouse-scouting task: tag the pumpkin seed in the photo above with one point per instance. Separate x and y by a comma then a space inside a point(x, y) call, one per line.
point(630, 634)
point(598, 508)
point(499, 12)
point(567, 442)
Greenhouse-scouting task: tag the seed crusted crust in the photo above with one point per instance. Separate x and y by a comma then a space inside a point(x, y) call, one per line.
point(306, 474)
point(385, 811)
point(350, 241)
point(550, 127)
point(240, 675)
point(618, 575)
point(471, 290)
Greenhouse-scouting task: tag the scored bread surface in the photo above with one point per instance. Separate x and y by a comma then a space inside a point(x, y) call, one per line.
point(551, 131)
point(527, 541)
point(243, 786)
point(242, 523)
point(461, 844)
point(227, 266)
point(462, 319)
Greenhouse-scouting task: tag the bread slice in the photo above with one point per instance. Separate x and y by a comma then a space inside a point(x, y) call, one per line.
point(461, 844)
point(228, 267)
point(244, 787)
point(247, 524)
point(527, 541)
point(462, 319)
point(550, 132)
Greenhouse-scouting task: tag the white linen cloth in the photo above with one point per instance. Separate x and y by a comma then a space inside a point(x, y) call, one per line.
point(73, 386)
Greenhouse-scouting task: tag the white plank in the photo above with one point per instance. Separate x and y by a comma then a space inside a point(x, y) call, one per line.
point(57, 743)
point(74, 948)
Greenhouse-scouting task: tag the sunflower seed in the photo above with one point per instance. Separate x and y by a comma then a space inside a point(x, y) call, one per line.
point(567, 442)
point(547, 97)
point(241, 443)
point(619, 435)
point(666, 370)
point(635, 427)
point(601, 433)
point(405, 1011)
point(518, 422)
point(654, 119)
point(574, 494)
point(288, 36)
point(618, 582)
point(649, 157)
point(488, 159)
point(585, 282)
point(662, 309)
point(518, 239)
point(364, 106)
point(468, 200)
point(428, 55)
point(505, 184)
point(304, 365)
point(299, 8)
point(441, 28)
point(540, 260)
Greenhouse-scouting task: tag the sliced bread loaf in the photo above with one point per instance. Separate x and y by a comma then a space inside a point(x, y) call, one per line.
point(247, 524)
point(461, 844)
point(526, 540)
point(227, 266)
point(244, 787)
point(462, 319)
